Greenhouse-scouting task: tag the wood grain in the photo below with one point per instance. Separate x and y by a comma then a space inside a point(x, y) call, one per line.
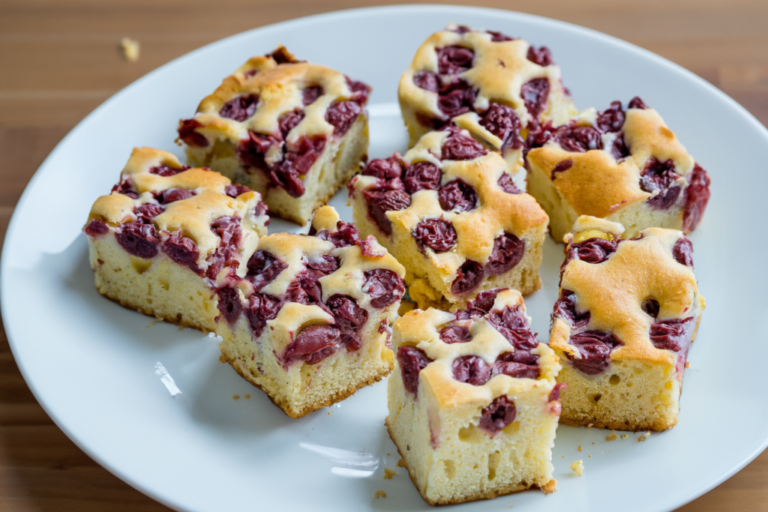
point(59, 59)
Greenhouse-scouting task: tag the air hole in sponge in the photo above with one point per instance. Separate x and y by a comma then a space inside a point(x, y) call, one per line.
point(471, 435)
point(596, 397)
point(615, 379)
point(450, 469)
point(140, 265)
point(493, 463)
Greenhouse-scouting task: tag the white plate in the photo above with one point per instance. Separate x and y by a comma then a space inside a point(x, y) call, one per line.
point(107, 376)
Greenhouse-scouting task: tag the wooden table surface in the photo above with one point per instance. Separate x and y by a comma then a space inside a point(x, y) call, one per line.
point(59, 59)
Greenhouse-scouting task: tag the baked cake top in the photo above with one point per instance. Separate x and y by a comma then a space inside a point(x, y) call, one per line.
point(474, 355)
point(488, 82)
point(198, 210)
point(280, 112)
point(625, 299)
point(603, 161)
point(456, 199)
point(302, 282)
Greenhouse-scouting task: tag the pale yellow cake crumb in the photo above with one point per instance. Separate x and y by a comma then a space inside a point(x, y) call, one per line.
point(624, 436)
point(247, 397)
point(329, 413)
point(589, 456)
point(235, 397)
point(687, 364)
point(611, 437)
point(641, 438)
point(580, 448)
point(401, 463)
point(379, 494)
point(389, 474)
point(130, 49)
point(577, 467)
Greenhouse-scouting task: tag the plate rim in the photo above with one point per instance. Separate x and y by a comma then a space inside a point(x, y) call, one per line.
point(43, 169)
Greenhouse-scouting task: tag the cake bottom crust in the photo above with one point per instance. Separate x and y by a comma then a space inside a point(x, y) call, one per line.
point(548, 488)
point(331, 399)
point(608, 424)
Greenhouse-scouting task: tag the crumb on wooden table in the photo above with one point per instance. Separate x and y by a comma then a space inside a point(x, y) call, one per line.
point(389, 474)
point(577, 467)
point(379, 494)
point(611, 437)
point(130, 48)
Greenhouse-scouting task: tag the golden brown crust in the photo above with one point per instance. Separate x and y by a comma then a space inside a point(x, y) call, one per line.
point(588, 421)
point(550, 487)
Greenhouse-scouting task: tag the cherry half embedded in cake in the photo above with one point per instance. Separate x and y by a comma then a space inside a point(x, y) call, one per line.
point(309, 322)
point(495, 86)
point(296, 147)
point(623, 347)
point(159, 241)
point(624, 165)
point(451, 213)
point(473, 394)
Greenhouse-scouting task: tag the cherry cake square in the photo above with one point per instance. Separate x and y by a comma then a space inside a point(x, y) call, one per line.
point(294, 131)
point(495, 86)
point(623, 165)
point(449, 211)
point(160, 240)
point(473, 402)
point(310, 321)
point(627, 313)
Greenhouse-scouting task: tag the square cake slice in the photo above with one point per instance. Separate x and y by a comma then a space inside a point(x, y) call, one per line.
point(627, 313)
point(495, 86)
point(625, 166)
point(159, 241)
point(310, 323)
point(450, 213)
point(294, 131)
point(473, 402)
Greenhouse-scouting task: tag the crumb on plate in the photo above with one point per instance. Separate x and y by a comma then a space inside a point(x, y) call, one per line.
point(577, 467)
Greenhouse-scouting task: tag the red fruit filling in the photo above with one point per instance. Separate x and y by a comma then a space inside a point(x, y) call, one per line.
point(174, 194)
point(595, 348)
point(229, 303)
point(240, 108)
point(578, 139)
point(507, 184)
point(166, 170)
point(541, 56)
point(146, 212)
point(455, 333)
point(636, 102)
point(461, 147)
point(261, 309)
point(310, 94)
point(460, 29)
point(696, 198)
point(349, 319)
point(427, 80)
point(472, 370)
point(561, 166)
point(384, 286)
point(325, 264)
point(188, 134)
point(481, 305)
point(182, 250)
point(422, 176)
point(456, 98)
point(437, 234)
point(453, 60)
point(619, 147)
point(593, 250)
point(235, 190)
point(659, 179)
point(229, 232)
point(565, 308)
point(519, 364)
point(502, 121)
point(651, 307)
point(344, 236)
point(263, 268)
point(555, 393)
point(305, 288)
point(674, 334)
point(360, 90)
point(96, 228)
point(138, 239)
point(281, 56)
point(126, 188)
point(289, 121)
point(612, 118)
point(312, 345)
point(535, 94)
point(384, 199)
point(683, 252)
point(513, 325)
point(342, 114)
point(468, 277)
point(498, 415)
point(498, 37)
point(384, 168)
point(411, 360)
point(507, 252)
point(457, 195)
